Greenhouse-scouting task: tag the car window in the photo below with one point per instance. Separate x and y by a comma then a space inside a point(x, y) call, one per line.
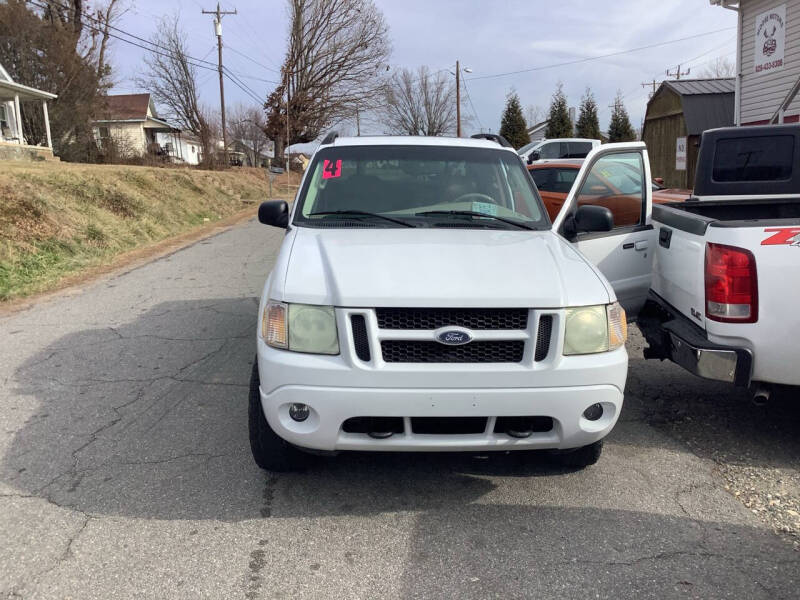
point(755, 158)
point(554, 179)
point(527, 147)
point(578, 149)
point(617, 182)
point(550, 150)
point(403, 181)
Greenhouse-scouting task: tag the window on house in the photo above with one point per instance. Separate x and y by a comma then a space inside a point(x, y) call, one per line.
point(3, 115)
point(104, 133)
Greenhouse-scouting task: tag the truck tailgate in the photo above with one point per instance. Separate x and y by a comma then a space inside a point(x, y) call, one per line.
point(774, 337)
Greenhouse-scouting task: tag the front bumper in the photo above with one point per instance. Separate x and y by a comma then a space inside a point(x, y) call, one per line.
point(674, 337)
point(342, 387)
point(332, 406)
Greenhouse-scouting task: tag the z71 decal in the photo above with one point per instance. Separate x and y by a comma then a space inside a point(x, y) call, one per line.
point(782, 236)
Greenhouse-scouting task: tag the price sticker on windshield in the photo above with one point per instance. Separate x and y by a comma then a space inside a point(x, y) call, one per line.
point(331, 169)
point(486, 208)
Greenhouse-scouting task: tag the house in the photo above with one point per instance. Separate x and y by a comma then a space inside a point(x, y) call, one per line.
point(131, 125)
point(14, 143)
point(183, 147)
point(677, 114)
point(536, 132)
point(243, 152)
point(299, 160)
point(767, 60)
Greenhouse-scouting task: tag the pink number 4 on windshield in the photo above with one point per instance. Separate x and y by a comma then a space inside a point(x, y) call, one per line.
point(331, 169)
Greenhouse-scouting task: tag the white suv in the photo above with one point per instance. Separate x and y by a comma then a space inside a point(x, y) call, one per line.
point(559, 148)
point(421, 301)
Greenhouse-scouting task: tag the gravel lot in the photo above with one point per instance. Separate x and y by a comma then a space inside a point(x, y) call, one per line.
point(756, 449)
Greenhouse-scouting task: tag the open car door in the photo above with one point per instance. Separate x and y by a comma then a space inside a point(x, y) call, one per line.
point(615, 180)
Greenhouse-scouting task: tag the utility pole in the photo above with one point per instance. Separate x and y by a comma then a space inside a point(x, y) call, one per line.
point(218, 30)
point(654, 84)
point(677, 74)
point(458, 99)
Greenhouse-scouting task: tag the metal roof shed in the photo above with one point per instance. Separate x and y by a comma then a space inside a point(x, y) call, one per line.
point(682, 109)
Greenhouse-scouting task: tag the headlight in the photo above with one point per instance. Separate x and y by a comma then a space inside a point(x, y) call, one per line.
point(300, 328)
point(591, 329)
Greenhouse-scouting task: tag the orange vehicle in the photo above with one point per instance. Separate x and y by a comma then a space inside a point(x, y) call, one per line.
point(615, 187)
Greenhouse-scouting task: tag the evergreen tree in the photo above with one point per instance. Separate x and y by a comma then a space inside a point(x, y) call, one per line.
point(620, 128)
point(558, 121)
point(512, 124)
point(588, 125)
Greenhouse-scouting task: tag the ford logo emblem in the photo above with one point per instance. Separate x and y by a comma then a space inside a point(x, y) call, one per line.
point(453, 337)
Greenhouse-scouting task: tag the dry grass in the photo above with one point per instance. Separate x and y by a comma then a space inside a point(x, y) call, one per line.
point(58, 219)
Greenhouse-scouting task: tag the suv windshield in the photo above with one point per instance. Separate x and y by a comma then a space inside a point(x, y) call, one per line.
point(420, 186)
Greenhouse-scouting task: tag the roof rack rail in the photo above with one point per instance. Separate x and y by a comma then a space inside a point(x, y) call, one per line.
point(494, 138)
point(329, 139)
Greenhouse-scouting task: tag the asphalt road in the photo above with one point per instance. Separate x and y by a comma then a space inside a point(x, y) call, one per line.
point(125, 472)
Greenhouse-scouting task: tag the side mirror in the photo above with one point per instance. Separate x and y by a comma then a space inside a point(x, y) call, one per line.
point(593, 218)
point(533, 156)
point(275, 213)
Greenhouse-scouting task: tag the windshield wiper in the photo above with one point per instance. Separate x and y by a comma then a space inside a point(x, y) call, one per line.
point(361, 213)
point(472, 213)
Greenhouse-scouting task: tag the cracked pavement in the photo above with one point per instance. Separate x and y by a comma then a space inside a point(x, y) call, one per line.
point(125, 471)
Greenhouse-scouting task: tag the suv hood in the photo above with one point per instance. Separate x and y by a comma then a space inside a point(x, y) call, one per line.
point(434, 268)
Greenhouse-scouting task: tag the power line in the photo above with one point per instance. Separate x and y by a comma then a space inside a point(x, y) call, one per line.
point(474, 112)
point(235, 51)
point(592, 58)
point(171, 55)
point(136, 37)
point(243, 86)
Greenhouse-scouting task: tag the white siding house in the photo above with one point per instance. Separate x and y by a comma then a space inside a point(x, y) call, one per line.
point(768, 60)
point(11, 94)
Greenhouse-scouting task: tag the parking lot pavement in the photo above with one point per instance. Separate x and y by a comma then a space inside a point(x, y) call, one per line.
point(125, 471)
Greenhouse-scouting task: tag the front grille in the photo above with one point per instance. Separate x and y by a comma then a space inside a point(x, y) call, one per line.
point(500, 351)
point(543, 337)
point(470, 318)
point(360, 339)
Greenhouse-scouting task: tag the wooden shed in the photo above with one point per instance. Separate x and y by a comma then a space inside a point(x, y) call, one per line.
point(677, 114)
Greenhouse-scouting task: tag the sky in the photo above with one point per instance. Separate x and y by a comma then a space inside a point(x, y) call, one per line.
point(488, 37)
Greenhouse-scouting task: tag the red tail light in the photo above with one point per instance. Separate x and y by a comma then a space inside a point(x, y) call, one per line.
point(731, 284)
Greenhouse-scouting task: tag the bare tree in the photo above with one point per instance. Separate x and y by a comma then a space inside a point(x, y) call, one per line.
point(722, 66)
point(420, 103)
point(172, 80)
point(246, 123)
point(534, 114)
point(336, 52)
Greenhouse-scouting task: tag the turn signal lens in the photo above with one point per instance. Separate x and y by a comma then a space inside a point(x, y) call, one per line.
point(273, 325)
point(617, 326)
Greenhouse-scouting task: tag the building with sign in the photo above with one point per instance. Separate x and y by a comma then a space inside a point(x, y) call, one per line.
point(767, 60)
point(677, 114)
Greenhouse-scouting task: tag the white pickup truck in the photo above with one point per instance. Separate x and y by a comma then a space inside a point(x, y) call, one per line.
point(723, 302)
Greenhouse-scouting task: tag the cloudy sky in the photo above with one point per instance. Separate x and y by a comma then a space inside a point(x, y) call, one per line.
point(488, 37)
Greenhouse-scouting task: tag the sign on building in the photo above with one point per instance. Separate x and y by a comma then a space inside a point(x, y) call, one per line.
point(770, 40)
point(680, 154)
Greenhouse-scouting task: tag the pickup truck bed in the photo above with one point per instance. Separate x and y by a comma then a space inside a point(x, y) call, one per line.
point(676, 322)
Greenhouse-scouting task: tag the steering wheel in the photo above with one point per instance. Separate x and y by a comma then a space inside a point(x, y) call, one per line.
point(474, 196)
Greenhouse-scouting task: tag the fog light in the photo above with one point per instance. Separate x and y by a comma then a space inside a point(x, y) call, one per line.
point(594, 412)
point(300, 412)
